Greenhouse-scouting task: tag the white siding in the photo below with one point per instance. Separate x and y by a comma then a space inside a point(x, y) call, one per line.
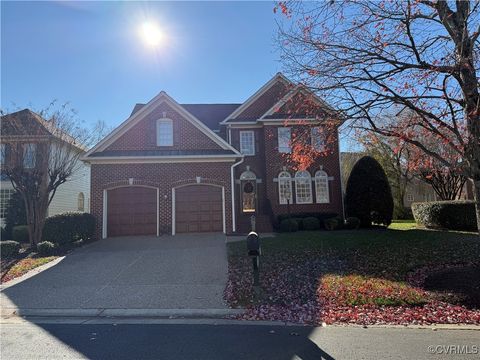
point(66, 197)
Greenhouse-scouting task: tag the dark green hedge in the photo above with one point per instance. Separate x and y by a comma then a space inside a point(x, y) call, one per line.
point(9, 248)
point(301, 216)
point(20, 234)
point(289, 225)
point(452, 215)
point(69, 227)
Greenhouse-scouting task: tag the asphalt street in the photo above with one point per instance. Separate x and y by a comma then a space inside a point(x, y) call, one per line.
point(144, 340)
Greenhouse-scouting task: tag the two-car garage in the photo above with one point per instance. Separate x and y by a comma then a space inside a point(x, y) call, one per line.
point(136, 210)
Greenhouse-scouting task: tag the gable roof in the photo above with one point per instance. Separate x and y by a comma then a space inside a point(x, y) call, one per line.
point(144, 111)
point(209, 114)
point(275, 112)
point(27, 123)
point(24, 123)
point(257, 108)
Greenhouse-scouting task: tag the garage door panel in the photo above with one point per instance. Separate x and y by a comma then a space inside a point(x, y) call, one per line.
point(198, 209)
point(132, 210)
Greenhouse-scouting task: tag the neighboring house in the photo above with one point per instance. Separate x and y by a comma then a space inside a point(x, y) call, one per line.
point(172, 168)
point(418, 191)
point(28, 130)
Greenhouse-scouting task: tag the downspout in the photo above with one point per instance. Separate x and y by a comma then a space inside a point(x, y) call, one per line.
point(234, 225)
point(340, 170)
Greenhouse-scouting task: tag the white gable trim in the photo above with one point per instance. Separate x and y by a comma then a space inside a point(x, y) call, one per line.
point(298, 89)
point(278, 77)
point(145, 110)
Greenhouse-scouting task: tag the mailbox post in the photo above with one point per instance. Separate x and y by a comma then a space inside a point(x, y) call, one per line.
point(254, 251)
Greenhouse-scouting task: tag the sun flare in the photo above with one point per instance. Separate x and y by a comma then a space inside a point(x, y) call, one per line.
point(151, 34)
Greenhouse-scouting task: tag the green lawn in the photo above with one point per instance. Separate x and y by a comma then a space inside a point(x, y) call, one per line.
point(325, 273)
point(390, 252)
point(403, 225)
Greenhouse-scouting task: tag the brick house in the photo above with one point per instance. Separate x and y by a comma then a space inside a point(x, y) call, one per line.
point(174, 168)
point(26, 136)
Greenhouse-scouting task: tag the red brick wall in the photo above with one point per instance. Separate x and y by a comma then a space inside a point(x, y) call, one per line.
point(268, 163)
point(142, 136)
point(163, 176)
point(265, 101)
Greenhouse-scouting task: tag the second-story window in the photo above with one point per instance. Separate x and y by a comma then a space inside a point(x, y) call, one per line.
point(247, 142)
point(317, 139)
point(164, 132)
point(3, 150)
point(284, 139)
point(29, 156)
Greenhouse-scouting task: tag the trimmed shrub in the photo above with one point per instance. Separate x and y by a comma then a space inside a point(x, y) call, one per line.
point(20, 234)
point(299, 222)
point(9, 248)
point(46, 248)
point(320, 216)
point(69, 227)
point(452, 215)
point(368, 195)
point(288, 225)
point(333, 223)
point(352, 222)
point(15, 214)
point(3, 234)
point(311, 223)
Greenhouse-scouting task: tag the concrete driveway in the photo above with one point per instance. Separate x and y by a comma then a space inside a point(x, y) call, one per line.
point(181, 272)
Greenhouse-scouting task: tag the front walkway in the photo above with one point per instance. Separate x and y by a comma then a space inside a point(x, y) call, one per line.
point(180, 272)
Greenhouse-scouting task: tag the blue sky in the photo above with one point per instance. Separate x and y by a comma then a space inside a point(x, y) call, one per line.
point(90, 54)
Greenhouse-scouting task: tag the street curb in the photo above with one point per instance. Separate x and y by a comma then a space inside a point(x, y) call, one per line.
point(123, 313)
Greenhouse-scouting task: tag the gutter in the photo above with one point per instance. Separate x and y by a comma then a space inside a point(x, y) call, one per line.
point(234, 225)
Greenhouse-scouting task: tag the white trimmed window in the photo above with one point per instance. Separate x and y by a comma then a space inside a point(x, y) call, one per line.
point(81, 202)
point(303, 187)
point(247, 142)
point(285, 195)
point(317, 137)
point(284, 139)
point(5, 195)
point(164, 132)
point(410, 197)
point(2, 153)
point(321, 187)
point(29, 156)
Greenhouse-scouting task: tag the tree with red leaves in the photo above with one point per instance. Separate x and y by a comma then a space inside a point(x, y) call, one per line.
point(415, 57)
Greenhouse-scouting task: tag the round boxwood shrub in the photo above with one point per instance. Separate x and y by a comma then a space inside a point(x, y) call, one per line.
point(20, 234)
point(289, 225)
point(9, 248)
point(333, 223)
point(46, 248)
point(69, 227)
point(352, 222)
point(452, 215)
point(311, 223)
point(368, 195)
point(299, 222)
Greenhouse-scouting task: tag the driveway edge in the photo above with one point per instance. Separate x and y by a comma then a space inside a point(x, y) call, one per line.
point(123, 313)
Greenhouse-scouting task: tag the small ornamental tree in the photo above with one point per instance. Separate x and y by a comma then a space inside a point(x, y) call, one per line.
point(42, 152)
point(368, 196)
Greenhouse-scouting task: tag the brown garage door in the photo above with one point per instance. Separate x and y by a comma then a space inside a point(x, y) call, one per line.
point(132, 210)
point(198, 208)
